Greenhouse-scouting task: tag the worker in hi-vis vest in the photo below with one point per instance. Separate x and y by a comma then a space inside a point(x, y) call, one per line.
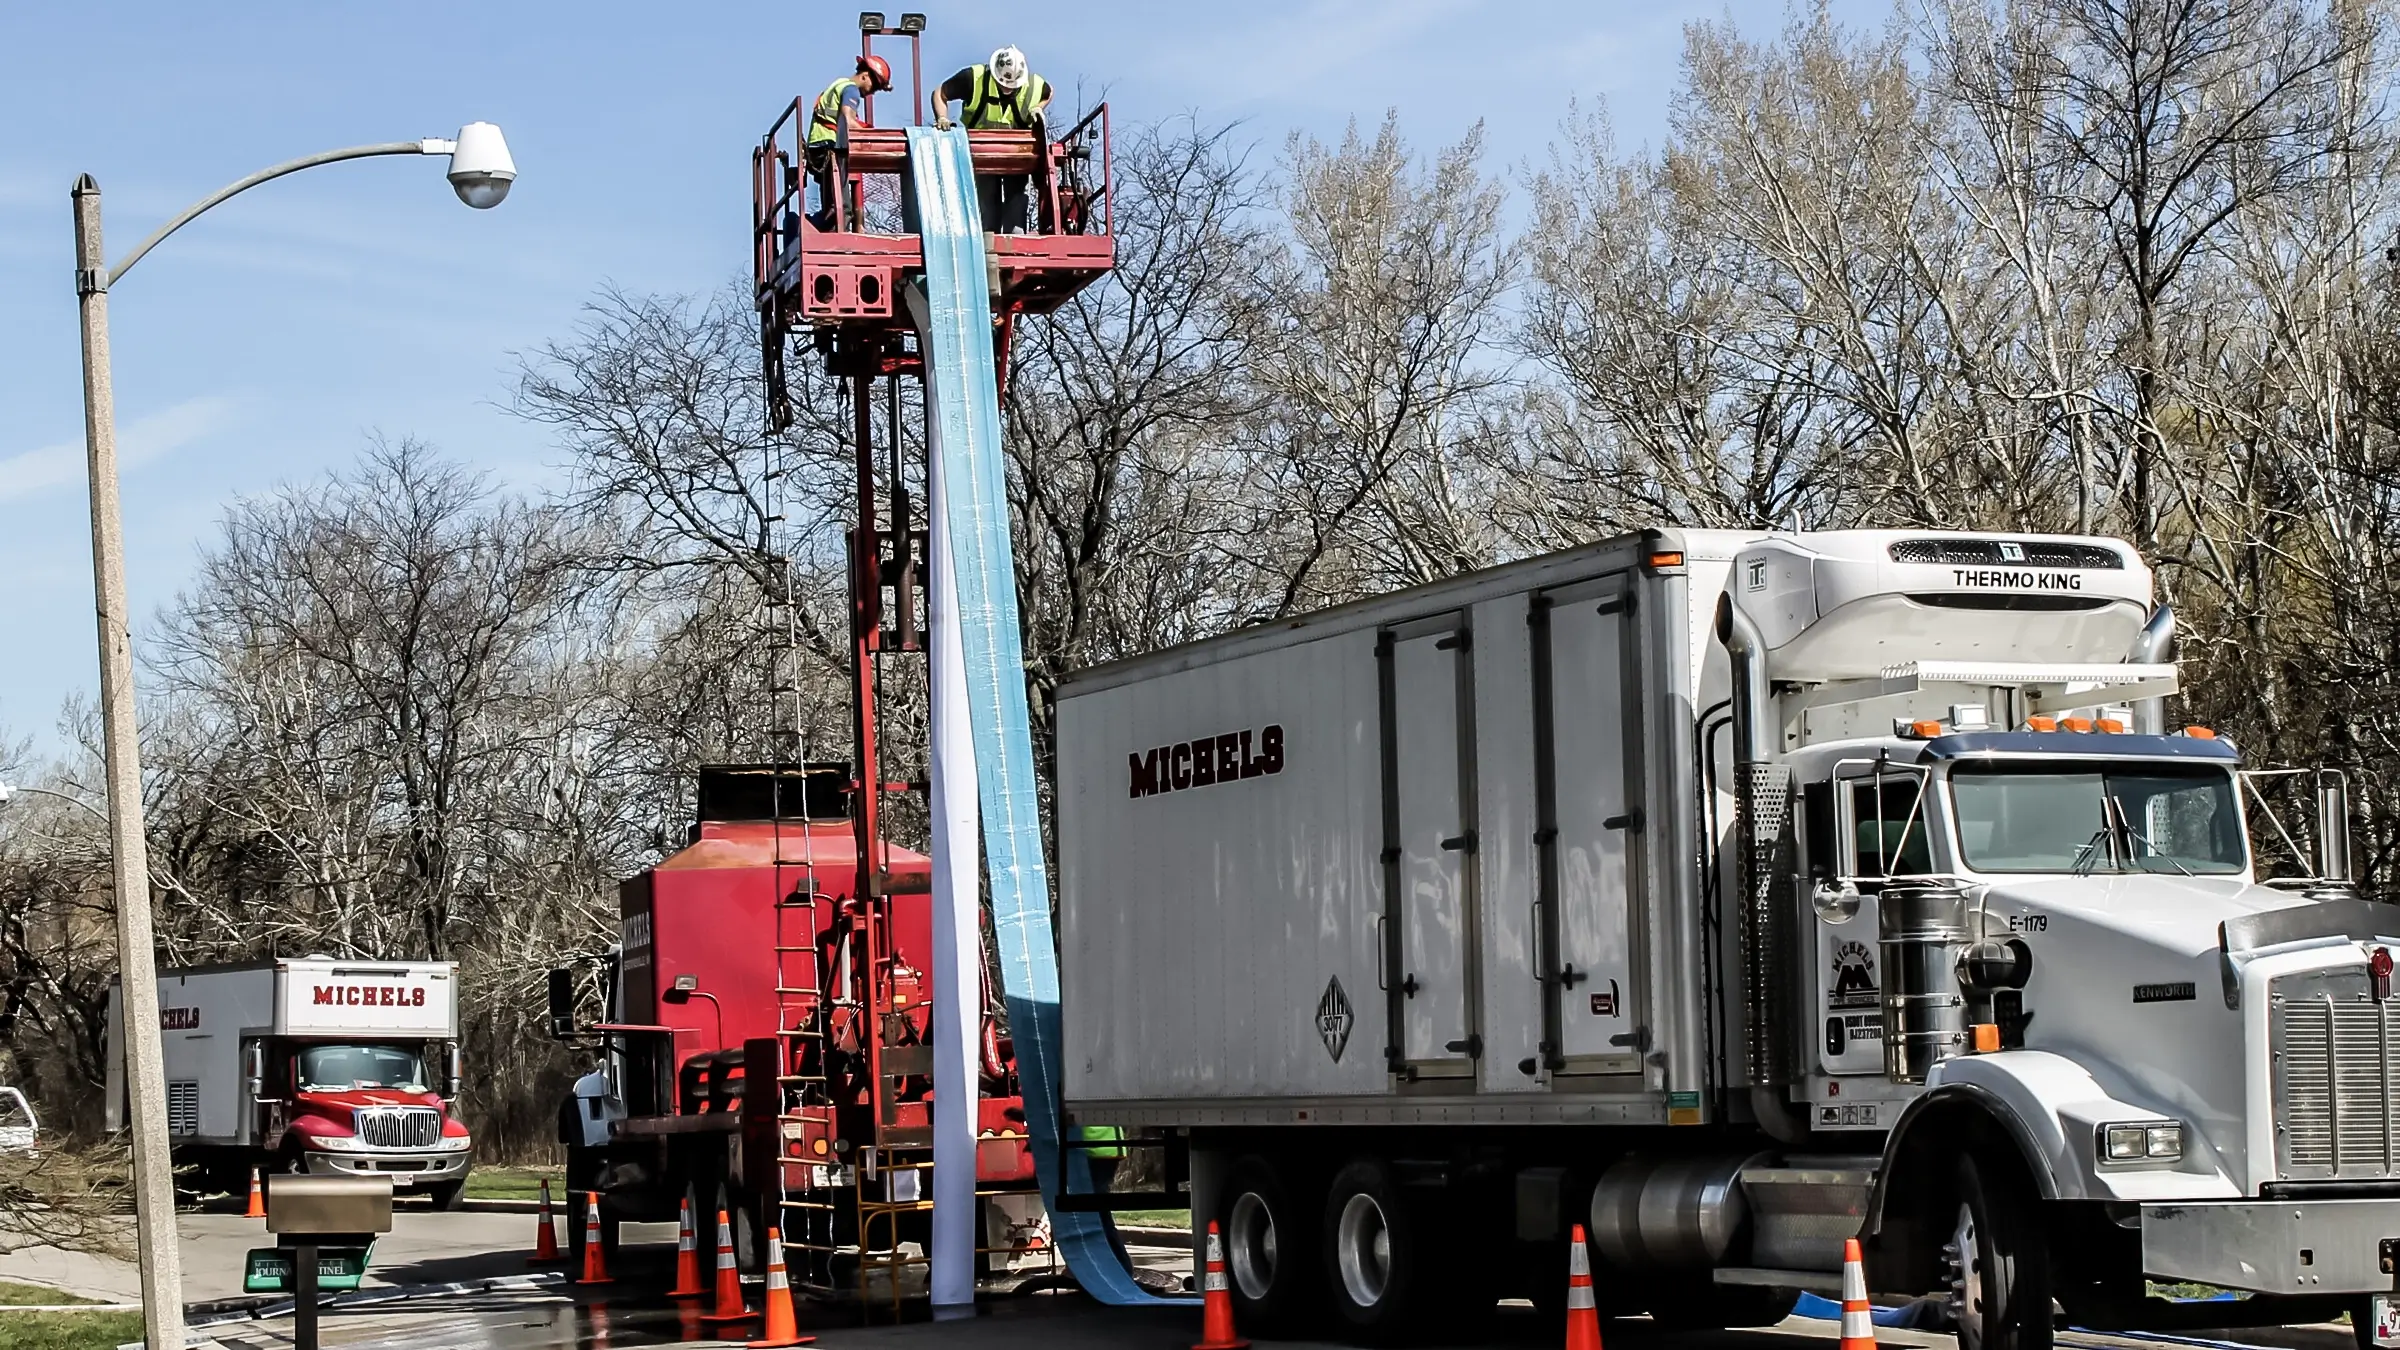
point(999, 95)
point(838, 111)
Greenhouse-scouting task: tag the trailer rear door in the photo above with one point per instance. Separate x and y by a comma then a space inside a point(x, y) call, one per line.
point(1429, 847)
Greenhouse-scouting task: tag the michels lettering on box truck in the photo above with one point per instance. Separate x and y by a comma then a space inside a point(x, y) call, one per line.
point(312, 1065)
point(1734, 894)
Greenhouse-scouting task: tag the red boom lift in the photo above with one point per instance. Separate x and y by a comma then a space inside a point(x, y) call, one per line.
point(805, 1102)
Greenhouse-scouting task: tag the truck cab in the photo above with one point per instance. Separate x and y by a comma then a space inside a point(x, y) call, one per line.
point(2036, 967)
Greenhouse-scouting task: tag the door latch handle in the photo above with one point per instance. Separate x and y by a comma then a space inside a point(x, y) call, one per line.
point(1408, 985)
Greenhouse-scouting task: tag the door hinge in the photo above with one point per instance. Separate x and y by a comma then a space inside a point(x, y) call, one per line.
point(1618, 604)
point(1631, 820)
point(1637, 1039)
point(1460, 843)
point(1459, 641)
point(1471, 1047)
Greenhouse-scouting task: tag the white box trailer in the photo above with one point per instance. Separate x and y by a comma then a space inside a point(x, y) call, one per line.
point(251, 1052)
point(1698, 886)
point(1248, 804)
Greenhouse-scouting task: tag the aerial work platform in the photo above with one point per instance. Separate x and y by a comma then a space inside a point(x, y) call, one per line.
point(851, 275)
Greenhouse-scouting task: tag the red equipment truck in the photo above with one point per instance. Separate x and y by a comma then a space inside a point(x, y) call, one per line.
point(766, 1043)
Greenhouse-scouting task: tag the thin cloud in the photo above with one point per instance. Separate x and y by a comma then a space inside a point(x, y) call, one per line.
point(138, 442)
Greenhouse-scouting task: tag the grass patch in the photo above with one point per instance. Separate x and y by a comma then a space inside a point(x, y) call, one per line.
point(512, 1183)
point(68, 1331)
point(2164, 1289)
point(15, 1295)
point(1155, 1218)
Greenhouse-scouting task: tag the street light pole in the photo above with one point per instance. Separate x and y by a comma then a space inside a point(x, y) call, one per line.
point(480, 172)
point(129, 860)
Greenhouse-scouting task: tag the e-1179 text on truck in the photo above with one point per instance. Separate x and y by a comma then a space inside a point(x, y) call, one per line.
point(1732, 894)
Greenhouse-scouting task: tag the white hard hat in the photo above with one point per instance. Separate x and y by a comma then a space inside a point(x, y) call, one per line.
point(1008, 69)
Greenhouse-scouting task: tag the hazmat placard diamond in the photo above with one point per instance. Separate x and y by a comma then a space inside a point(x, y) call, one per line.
point(1334, 1019)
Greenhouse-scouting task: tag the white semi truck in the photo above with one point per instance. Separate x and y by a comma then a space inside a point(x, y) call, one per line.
point(310, 1065)
point(1732, 894)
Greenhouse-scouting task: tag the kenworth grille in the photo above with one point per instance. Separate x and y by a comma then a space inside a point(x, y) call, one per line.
point(2335, 1052)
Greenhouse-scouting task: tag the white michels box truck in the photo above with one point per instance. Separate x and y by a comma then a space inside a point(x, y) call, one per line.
point(1732, 895)
point(314, 1065)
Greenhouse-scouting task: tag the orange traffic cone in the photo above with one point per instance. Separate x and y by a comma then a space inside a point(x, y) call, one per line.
point(258, 1198)
point(687, 1258)
point(595, 1261)
point(783, 1326)
point(1858, 1319)
point(729, 1278)
point(545, 1242)
point(1216, 1308)
point(1583, 1311)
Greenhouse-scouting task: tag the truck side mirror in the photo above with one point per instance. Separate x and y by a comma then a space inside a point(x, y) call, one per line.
point(2333, 826)
point(562, 1003)
point(254, 1068)
point(451, 1074)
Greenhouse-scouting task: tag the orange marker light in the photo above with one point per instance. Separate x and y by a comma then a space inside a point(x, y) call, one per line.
point(2110, 724)
point(1987, 1038)
point(1927, 729)
point(2041, 724)
point(1666, 560)
point(2075, 723)
point(2200, 733)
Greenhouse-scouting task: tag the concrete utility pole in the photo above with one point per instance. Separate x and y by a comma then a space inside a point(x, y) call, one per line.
point(129, 860)
point(480, 172)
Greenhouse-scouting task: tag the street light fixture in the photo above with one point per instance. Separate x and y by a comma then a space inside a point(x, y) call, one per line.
point(480, 172)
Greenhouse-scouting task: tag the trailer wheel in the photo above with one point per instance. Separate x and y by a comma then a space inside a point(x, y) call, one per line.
point(1999, 1267)
point(1269, 1248)
point(1374, 1255)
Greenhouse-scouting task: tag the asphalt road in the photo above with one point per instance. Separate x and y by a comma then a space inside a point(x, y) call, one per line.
point(427, 1252)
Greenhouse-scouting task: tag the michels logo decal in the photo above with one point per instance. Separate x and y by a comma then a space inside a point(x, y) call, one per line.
point(1206, 761)
point(366, 996)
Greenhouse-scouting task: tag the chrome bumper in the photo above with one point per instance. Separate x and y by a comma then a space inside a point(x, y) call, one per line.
point(405, 1169)
point(2274, 1246)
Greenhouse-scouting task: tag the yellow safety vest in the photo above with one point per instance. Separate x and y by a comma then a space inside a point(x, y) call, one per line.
point(825, 124)
point(992, 108)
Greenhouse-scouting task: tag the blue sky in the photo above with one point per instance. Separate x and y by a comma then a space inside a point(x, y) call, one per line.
point(266, 343)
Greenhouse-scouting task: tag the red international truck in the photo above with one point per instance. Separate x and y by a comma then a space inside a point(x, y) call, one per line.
point(765, 1040)
point(314, 1064)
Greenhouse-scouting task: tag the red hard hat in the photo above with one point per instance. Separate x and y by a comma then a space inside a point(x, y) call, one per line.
point(877, 67)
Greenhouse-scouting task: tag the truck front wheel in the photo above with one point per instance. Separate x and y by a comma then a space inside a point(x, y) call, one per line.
point(1999, 1266)
point(1269, 1247)
point(447, 1195)
point(1375, 1259)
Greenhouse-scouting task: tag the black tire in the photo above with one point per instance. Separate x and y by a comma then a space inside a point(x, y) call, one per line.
point(1999, 1265)
point(447, 1195)
point(1380, 1279)
point(1270, 1242)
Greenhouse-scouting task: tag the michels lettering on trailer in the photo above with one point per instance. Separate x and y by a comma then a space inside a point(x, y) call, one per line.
point(364, 996)
point(1223, 758)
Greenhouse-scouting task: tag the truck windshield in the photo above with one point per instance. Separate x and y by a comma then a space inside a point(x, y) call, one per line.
point(2097, 818)
point(334, 1068)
